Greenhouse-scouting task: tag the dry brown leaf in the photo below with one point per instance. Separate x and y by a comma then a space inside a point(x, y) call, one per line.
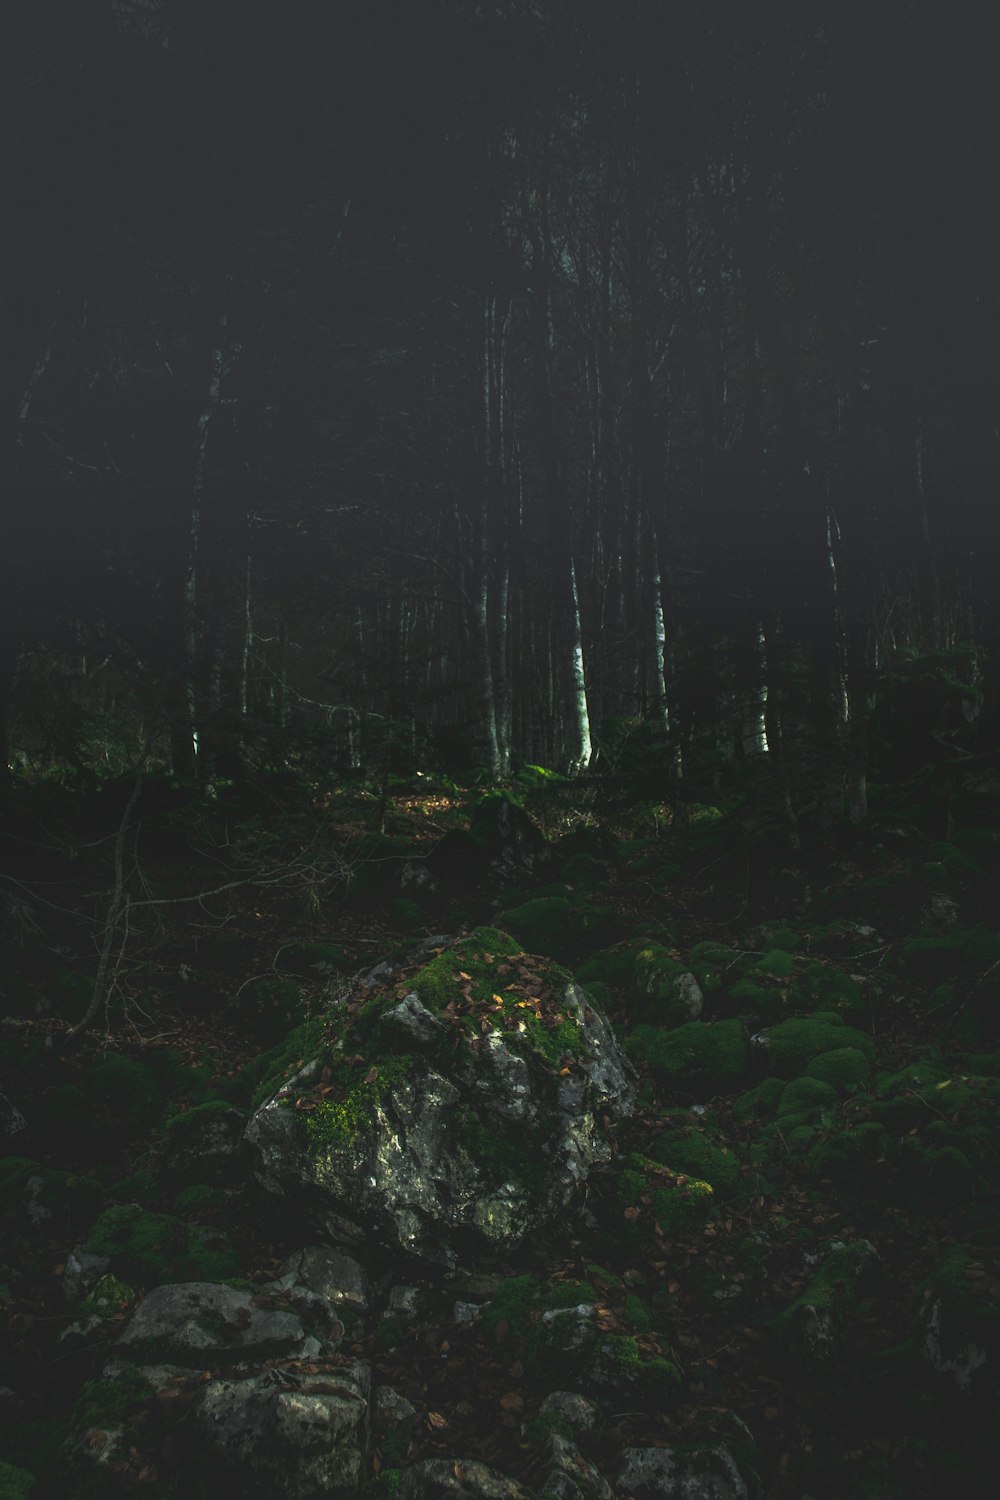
point(512, 1401)
point(436, 1420)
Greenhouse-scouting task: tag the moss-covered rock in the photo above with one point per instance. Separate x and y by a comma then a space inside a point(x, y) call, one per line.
point(960, 1323)
point(203, 1145)
point(805, 1094)
point(646, 1194)
point(33, 1196)
point(844, 1068)
point(814, 1330)
point(824, 986)
point(761, 1102)
point(776, 964)
point(561, 927)
point(699, 1059)
point(148, 1249)
point(791, 1045)
point(691, 1151)
point(666, 992)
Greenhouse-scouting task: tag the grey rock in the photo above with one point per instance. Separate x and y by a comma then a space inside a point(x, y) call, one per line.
point(461, 1479)
point(404, 1301)
point(83, 1272)
point(12, 1122)
point(197, 1319)
point(391, 1406)
point(283, 1434)
point(413, 1019)
point(568, 1475)
point(203, 1146)
point(466, 1312)
point(332, 1274)
point(698, 1474)
point(958, 1357)
point(578, 1412)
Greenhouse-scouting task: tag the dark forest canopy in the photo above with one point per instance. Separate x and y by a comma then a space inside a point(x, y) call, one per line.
point(477, 382)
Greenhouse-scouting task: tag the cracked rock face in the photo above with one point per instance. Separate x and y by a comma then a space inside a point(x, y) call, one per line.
point(199, 1319)
point(476, 1144)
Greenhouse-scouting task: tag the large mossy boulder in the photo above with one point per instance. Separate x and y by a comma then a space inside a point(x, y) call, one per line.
point(450, 1113)
point(790, 1046)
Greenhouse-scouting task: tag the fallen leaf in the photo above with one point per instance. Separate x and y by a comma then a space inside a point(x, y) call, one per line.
point(436, 1420)
point(511, 1401)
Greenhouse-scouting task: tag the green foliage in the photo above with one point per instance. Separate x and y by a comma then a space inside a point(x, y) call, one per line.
point(699, 1058)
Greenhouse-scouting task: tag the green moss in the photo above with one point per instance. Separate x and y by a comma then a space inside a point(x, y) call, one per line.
point(109, 1296)
point(844, 1068)
point(811, 1331)
point(760, 1102)
point(793, 1044)
point(475, 955)
point(262, 1078)
point(336, 1124)
point(681, 1209)
point(15, 1484)
point(108, 1403)
point(699, 1058)
point(637, 1314)
point(692, 1152)
point(826, 986)
point(663, 988)
point(655, 1378)
point(125, 1089)
point(199, 1199)
point(714, 954)
point(843, 1153)
point(563, 928)
point(151, 1249)
point(805, 1094)
point(513, 1304)
point(777, 964)
point(612, 966)
point(31, 1195)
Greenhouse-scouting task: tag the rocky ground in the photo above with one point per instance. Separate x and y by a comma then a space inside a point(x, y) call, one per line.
point(494, 1155)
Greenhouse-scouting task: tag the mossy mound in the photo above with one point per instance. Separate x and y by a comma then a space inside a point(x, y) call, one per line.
point(776, 964)
point(693, 1152)
point(760, 1103)
point(700, 1059)
point(844, 1068)
point(805, 1094)
point(665, 991)
point(15, 1483)
point(564, 928)
point(613, 967)
point(150, 1249)
point(791, 1045)
point(825, 986)
point(815, 1329)
point(648, 1195)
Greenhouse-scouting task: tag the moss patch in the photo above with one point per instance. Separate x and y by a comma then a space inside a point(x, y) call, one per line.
point(150, 1249)
point(699, 1059)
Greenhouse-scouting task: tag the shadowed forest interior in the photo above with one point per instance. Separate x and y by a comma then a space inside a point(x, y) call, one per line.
point(500, 782)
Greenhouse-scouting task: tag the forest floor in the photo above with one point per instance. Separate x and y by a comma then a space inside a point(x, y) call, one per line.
point(259, 906)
